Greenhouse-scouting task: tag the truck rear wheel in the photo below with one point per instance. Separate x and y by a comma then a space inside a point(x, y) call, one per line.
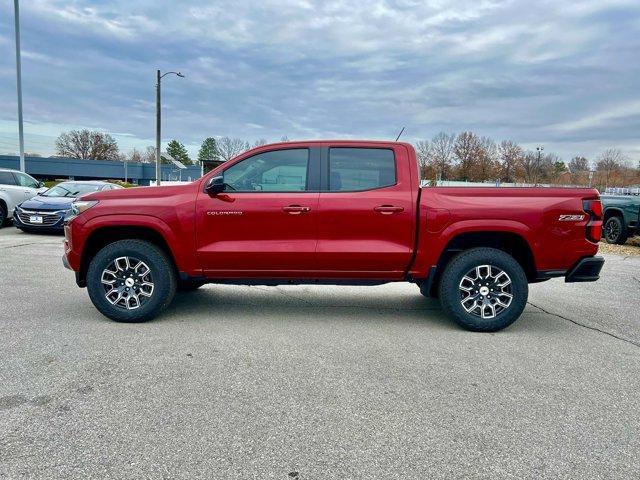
point(483, 289)
point(131, 281)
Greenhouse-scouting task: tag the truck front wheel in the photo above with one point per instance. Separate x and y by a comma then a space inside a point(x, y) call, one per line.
point(483, 289)
point(131, 281)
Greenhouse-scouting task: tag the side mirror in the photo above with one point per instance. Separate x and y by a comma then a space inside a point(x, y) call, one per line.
point(215, 185)
point(40, 184)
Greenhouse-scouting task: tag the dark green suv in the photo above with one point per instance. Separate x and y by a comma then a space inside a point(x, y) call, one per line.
point(621, 217)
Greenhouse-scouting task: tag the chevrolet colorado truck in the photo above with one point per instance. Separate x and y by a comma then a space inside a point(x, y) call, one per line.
point(331, 212)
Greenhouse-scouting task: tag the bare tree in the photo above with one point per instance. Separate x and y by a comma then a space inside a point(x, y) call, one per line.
point(284, 138)
point(231, 147)
point(609, 161)
point(510, 160)
point(441, 153)
point(149, 154)
point(260, 142)
point(466, 149)
point(422, 152)
point(135, 156)
point(578, 164)
point(530, 167)
point(486, 161)
point(86, 145)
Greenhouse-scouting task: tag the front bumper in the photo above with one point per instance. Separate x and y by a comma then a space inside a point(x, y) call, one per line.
point(51, 221)
point(65, 262)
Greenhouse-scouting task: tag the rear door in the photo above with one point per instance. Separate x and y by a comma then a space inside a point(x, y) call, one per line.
point(367, 212)
point(265, 222)
point(10, 190)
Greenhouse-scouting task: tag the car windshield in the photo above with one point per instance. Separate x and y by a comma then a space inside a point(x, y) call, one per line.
point(71, 189)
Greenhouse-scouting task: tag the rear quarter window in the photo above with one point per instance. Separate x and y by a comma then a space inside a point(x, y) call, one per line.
point(6, 178)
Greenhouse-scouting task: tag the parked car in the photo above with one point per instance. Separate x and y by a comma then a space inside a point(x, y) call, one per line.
point(46, 211)
point(15, 188)
point(340, 212)
point(621, 217)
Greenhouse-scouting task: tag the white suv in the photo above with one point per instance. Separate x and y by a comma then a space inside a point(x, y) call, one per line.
point(15, 188)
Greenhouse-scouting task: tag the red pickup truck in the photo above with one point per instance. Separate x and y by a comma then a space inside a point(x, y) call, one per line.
point(331, 212)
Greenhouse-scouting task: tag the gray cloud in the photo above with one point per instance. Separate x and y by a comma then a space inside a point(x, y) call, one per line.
point(564, 74)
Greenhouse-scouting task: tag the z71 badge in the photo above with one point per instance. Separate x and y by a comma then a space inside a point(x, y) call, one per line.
point(571, 218)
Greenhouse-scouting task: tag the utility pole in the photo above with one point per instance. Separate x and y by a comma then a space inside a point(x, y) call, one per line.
point(16, 7)
point(158, 123)
point(158, 159)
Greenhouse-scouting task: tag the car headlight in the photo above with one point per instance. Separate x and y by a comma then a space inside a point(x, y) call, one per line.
point(80, 206)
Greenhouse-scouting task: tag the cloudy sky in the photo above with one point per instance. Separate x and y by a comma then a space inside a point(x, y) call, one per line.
point(563, 74)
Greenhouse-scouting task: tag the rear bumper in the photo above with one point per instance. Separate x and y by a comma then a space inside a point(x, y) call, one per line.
point(586, 270)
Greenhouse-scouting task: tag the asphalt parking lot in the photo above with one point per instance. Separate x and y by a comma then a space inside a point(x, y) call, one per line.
point(314, 382)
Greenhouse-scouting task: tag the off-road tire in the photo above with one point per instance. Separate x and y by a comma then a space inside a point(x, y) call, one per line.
point(162, 272)
point(451, 294)
point(615, 231)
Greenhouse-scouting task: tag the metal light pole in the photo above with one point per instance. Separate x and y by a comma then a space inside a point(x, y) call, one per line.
point(16, 8)
point(158, 123)
point(539, 149)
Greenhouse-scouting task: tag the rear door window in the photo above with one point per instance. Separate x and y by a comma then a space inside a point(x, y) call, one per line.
point(6, 178)
point(357, 169)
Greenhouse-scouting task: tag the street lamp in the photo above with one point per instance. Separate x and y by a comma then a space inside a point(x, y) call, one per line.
point(158, 123)
point(539, 150)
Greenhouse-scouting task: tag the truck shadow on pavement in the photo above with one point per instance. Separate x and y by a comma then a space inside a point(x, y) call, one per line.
point(354, 304)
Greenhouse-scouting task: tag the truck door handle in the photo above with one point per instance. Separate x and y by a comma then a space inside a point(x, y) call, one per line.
point(295, 209)
point(388, 209)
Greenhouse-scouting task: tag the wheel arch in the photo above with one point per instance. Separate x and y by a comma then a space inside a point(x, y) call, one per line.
point(509, 242)
point(103, 236)
point(612, 212)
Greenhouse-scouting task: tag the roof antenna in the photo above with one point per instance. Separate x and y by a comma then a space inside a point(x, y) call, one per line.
point(399, 134)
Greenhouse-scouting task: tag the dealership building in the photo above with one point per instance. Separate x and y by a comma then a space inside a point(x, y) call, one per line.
point(78, 169)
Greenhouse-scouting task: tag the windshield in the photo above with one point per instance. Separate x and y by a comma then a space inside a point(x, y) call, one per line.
point(68, 189)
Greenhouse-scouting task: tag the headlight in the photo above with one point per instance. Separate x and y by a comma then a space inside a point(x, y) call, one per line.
point(80, 206)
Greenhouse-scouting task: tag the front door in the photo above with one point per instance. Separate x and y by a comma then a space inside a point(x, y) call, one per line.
point(367, 213)
point(265, 221)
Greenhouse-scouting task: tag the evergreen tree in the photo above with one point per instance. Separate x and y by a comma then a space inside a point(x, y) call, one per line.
point(177, 151)
point(209, 151)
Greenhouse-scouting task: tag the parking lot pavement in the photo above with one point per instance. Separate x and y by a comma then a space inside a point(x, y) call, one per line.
point(313, 382)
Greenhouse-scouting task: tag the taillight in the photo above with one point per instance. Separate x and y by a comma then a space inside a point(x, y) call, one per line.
point(594, 226)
